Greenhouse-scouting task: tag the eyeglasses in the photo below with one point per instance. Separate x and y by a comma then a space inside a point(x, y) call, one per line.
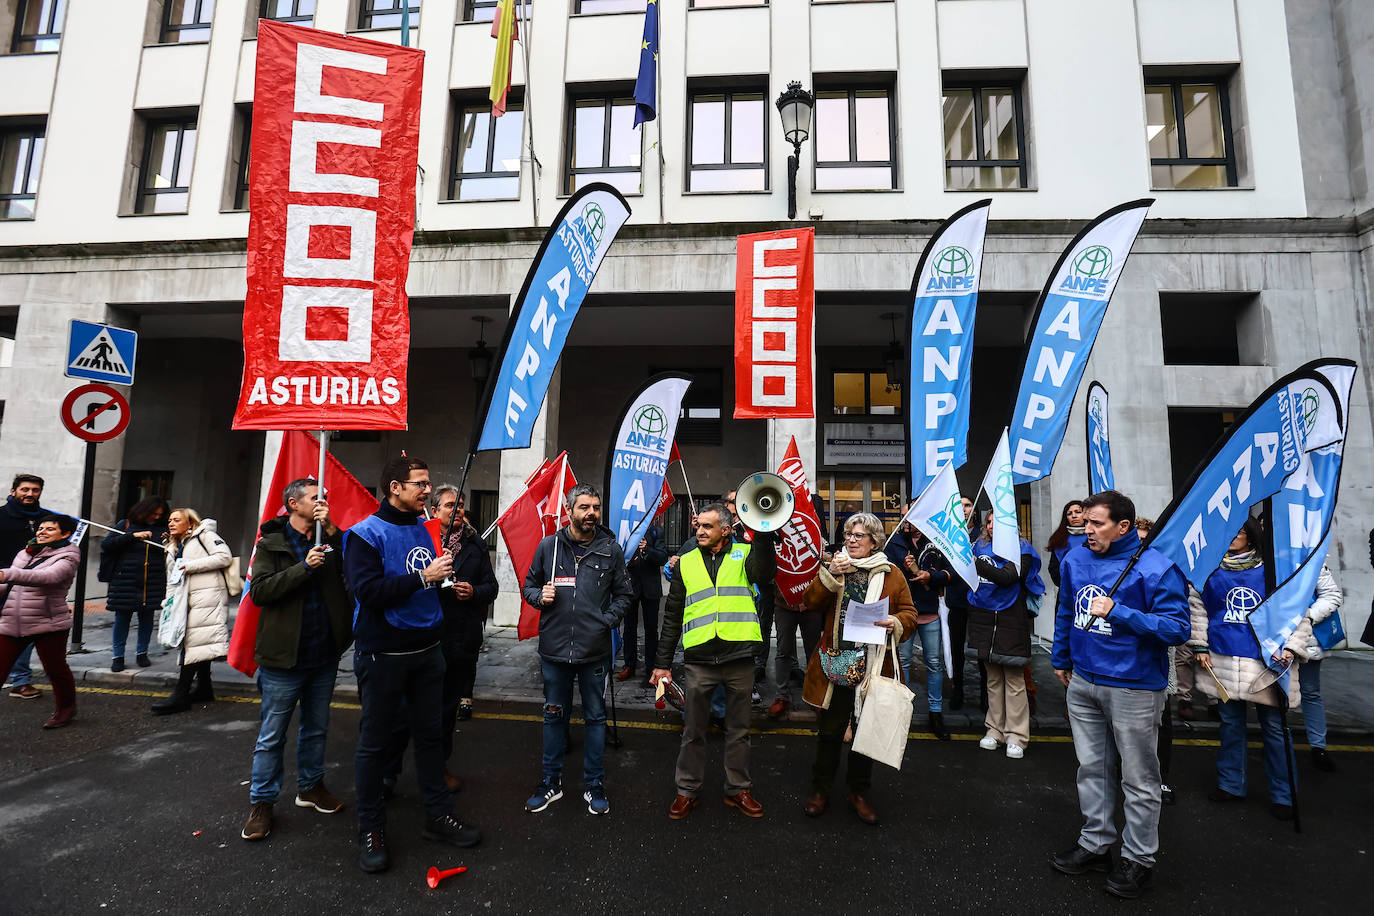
point(855, 535)
point(418, 484)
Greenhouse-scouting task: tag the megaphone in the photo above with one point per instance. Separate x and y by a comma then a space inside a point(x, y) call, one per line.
point(763, 501)
point(434, 875)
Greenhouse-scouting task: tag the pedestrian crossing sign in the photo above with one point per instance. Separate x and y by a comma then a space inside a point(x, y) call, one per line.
point(101, 353)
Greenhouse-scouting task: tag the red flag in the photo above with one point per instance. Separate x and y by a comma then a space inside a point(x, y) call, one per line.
point(674, 454)
point(665, 499)
point(800, 540)
point(528, 521)
point(349, 503)
point(775, 306)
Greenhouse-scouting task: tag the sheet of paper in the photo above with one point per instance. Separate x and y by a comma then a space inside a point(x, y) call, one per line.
point(861, 622)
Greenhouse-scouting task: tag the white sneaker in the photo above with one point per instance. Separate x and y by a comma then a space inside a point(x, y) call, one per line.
point(988, 743)
point(1015, 751)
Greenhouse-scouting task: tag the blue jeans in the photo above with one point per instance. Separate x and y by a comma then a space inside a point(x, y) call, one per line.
point(1313, 709)
point(122, 619)
point(282, 690)
point(1231, 756)
point(931, 645)
point(22, 672)
point(558, 685)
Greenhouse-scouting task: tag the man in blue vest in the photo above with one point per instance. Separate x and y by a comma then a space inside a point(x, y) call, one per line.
point(711, 607)
point(390, 568)
point(1111, 653)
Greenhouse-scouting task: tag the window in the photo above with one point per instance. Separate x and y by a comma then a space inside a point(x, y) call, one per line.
point(187, 20)
point(302, 11)
point(38, 26)
point(486, 152)
point(603, 144)
point(1213, 329)
point(1192, 433)
point(728, 145)
point(609, 6)
point(855, 141)
point(482, 511)
point(241, 145)
point(1188, 127)
point(21, 156)
point(700, 421)
point(707, 4)
point(985, 137)
point(164, 183)
point(386, 14)
point(485, 10)
point(856, 391)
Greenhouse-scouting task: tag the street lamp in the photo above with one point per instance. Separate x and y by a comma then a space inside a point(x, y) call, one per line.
point(795, 106)
point(479, 357)
point(894, 357)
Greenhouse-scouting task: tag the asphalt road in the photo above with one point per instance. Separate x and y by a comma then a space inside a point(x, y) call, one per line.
point(126, 812)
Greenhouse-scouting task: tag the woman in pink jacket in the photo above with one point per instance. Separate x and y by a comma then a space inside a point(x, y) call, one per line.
point(34, 609)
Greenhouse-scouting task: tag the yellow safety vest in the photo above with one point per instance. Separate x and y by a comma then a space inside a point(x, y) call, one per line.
point(720, 610)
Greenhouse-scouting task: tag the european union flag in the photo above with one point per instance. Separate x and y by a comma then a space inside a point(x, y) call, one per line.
point(646, 85)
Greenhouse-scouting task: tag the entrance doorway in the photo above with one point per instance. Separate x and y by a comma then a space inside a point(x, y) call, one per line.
point(882, 495)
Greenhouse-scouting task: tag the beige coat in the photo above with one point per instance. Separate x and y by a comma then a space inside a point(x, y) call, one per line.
point(1237, 673)
point(207, 608)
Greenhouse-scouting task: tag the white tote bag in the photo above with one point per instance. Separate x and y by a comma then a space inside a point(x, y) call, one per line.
point(171, 626)
point(885, 720)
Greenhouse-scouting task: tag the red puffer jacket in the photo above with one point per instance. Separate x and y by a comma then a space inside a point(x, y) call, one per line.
point(35, 592)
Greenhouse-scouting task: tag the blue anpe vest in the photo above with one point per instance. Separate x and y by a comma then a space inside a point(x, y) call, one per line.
point(405, 550)
point(988, 595)
point(1229, 596)
point(1075, 540)
point(1034, 584)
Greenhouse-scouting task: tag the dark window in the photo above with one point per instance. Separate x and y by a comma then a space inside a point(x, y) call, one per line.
point(485, 10)
point(1192, 433)
point(135, 486)
point(245, 119)
point(1188, 127)
point(864, 393)
point(707, 4)
point(486, 152)
point(856, 145)
point(21, 156)
point(1212, 329)
point(603, 144)
point(609, 6)
point(700, 422)
point(482, 509)
point(985, 137)
point(728, 143)
point(386, 14)
point(164, 184)
point(38, 26)
point(289, 10)
point(187, 20)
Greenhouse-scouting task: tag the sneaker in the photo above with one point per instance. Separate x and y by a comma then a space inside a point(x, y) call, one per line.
point(143, 660)
point(595, 797)
point(116, 665)
point(544, 795)
point(988, 743)
point(755, 698)
point(259, 823)
point(1322, 760)
point(464, 710)
point(448, 829)
point(1015, 751)
point(1078, 861)
point(372, 854)
point(1127, 878)
point(318, 797)
point(1166, 795)
point(25, 692)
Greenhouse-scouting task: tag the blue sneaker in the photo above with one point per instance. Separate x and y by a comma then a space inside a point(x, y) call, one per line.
point(544, 795)
point(595, 797)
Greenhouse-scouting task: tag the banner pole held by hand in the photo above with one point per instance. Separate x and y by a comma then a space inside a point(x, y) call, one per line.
point(319, 479)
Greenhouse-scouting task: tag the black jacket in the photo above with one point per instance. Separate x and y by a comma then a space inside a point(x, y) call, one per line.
point(140, 569)
point(576, 628)
point(16, 530)
point(925, 596)
point(759, 568)
point(278, 585)
point(471, 564)
point(646, 567)
point(1001, 637)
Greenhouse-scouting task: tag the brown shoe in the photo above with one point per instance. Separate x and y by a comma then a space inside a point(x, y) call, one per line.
point(625, 674)
point(25, 692)
point(319, 798)
point(746, 803)
point(453, 782)
point(682, 806)
point(259, 823)
point(815, 805)
point(60, 718)
point(863, 809)
point(779, 708)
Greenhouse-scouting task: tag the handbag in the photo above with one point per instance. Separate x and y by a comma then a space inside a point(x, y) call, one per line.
point(1330, 633)
point(842, 667)
point(171, 625)
point(885, 721)
point(233, 579)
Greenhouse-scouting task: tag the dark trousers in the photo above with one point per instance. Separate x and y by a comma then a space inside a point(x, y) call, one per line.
point(788, 622)
point(830, 727)
point(400, 733)
point(384, 682)
point(763, 605)
point(701, 681)
point(52, 652)
point(192, 677)
point(645, 609)
point(958, 635)
point(467, 646)
point(1164, 746)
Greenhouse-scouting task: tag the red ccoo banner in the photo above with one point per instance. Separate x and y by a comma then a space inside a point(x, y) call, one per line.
point(326, 329)
point(775, 305)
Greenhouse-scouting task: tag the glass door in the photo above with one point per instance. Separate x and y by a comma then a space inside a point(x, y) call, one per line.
point(883, 496)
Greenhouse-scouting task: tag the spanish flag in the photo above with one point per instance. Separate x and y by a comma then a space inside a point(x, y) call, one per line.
point(504, 30)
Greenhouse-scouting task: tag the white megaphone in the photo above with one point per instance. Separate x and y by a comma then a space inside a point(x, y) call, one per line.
point(763, 501)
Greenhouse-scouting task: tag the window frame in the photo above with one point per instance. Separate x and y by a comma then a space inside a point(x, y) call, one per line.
point(142, 192)
point(241, 172)
point(836, 417)
point(726, 5)
point(728, 165)
point(514, 102)
point(851, 90)
point(170, 29)
point(1228, 162)
point(31, 132)
point(981, 161)
point(608, 100)
point(525, 7)
point(54, 33)
point(366, 15)
point(295, 15)
point(578, 11)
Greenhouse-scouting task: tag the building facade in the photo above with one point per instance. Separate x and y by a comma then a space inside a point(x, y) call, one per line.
point(123, 182)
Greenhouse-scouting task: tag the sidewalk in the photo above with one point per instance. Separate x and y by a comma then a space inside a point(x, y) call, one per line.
point(508, 682)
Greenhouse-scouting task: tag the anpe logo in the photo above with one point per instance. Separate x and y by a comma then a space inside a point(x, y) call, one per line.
point(1311, 405)
point(588, 228)
point(1240, 601)
point(418, 559)
point(1005, 495)
point(649, 420)
point(1082, 616)
point(1088, 271)
point(952, 269)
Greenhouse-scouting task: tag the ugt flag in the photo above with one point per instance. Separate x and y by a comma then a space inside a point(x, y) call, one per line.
point(640, 456)
point(1067, 318)
point(554, 288)
point(1299, 412)
point(535, 514)
point(800, 540)
point(1300, 516)
point(939, 360)
point(997, 483)
point(938, 513)
point(1100, 476)
point(326, 324)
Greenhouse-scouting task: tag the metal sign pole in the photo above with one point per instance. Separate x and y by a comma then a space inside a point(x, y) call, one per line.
point(87, 495)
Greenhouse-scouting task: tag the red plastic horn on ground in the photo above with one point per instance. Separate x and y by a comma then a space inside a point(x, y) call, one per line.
point(434, 876)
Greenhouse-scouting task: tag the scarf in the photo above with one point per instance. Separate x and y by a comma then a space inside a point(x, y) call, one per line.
point(33, 547)
point(877, 565)
point(19, 509)
point(1076, 529)
point(1248, 559)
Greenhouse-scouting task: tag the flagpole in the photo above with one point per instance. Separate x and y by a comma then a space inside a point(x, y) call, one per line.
point(1288, 758)
point(529, 108)
point(319, 479)
point(558, 518)
point(682, 466)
